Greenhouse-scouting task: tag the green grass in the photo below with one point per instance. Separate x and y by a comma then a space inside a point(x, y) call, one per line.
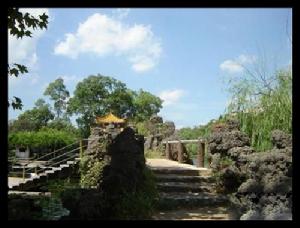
point(153, 154)
point(269, 110)
point(142, 203)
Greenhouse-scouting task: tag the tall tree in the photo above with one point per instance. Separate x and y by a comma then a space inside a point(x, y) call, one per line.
point(59, 94)
point(145, 105)
point(19, 25)
point(33, 119)
point(262, 101)
point(96, 96)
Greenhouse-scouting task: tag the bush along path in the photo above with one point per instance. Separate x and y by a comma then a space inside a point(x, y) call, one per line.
point(186, 192)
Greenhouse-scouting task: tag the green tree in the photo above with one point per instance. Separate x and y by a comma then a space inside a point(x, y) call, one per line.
point(59, 94)
point(19, 25)
point(63, 125)
point(262, 107)
point(34, 119)
point(96, 96)
point(145, 105)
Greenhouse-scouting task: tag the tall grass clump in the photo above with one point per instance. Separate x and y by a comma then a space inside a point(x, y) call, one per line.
point(263, 107)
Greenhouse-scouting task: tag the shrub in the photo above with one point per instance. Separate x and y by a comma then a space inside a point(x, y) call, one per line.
point(153, 154)
point(142, 128)
point(45, 138)
point(268, 110)
point(140, 204)
point(91, 172)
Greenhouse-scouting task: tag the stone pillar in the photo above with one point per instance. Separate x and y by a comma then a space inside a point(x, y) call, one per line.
point(200, 155)
point(168, 152)
point(180, 152)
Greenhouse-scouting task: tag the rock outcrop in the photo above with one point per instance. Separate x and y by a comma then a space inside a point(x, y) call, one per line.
point(121, 172)
point(260, 183)
point(159, 130)
point(267, 193)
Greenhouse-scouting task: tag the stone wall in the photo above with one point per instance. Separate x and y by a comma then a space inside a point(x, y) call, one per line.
point(260, 184)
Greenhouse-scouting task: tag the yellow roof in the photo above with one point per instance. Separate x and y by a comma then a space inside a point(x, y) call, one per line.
point(110, 118)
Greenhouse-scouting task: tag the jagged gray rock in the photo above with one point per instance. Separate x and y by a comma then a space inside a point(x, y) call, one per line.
point(281, 140)
point(261, 182)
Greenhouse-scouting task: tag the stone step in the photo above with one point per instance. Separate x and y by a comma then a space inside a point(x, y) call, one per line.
point(177, 200)
point(49, 171)
point(183, 172)
point(202, 213)
point(42, 176)
point(30, 193)
point(32, 178)
point(180, 178)
point(184, 187)
point(71, 162)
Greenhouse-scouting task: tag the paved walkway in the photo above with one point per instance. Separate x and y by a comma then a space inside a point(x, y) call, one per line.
point(168, 164)
point(186, 192)
point(203, 213)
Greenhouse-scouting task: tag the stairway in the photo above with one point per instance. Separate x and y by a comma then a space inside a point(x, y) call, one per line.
point(186, 193)
point(48, 173)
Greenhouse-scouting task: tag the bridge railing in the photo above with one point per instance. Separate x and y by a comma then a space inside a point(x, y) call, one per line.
point(200, 152)
point(52, 159)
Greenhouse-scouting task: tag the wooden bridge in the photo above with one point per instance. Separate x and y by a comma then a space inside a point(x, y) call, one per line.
point(200, 154)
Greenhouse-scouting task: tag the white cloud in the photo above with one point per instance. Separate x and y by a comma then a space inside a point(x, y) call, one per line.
point(23, 80)
point(104, 35)
point(170, 97)
point(231, 66)
point(246, 59)
point(236, 66)
point(121, 13)
point(23, 50)
point(71, 79)
point(32, 61)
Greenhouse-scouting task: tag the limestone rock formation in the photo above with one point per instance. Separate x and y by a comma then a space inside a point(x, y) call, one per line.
point(121, 173)
point(159, 130)
point(261, 183)
point(127, 162)
point(281, 140)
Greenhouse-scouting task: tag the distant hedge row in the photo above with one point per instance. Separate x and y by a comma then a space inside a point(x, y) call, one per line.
point(46, 138)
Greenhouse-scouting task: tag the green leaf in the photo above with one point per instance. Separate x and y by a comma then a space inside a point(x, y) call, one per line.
point(14, 71)
point(22, 68)
point(17, 103)
point(28, 33)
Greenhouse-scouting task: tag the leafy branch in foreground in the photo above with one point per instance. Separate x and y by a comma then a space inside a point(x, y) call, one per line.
point(19, 25)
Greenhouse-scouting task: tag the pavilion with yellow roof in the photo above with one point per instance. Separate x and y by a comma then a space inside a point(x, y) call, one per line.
point(108, 119)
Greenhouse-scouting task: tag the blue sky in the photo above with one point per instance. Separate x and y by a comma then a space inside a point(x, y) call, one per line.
point(181, 55)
